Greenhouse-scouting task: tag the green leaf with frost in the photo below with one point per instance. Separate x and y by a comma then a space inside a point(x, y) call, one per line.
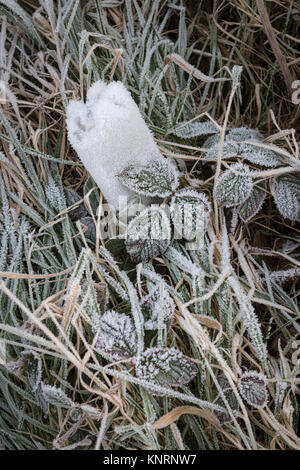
point(167, 367)
point(252, 206)
point(158, 178)
point(253, 388)
point(148, 235)
point(56, 397)
point(190, 213)
point(234, 186)
point(229, 150)
point(117, 338)
point(286, 193)
point(195, 129)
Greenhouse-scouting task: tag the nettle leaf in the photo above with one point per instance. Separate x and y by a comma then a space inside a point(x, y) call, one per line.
point(195, 129)
point(234, 186)
point(167, 367)
point(235, 144)
point(260, 156)
point(117, 337)
point(224, 417)
point(229, 150)
point(158, 178)
point(190, 213)
point(253, 389)
point(211, 141)
point(239, 134)
point(148, 235)
point(286, 192)
point(252, 206)
point(56, 396)
point(158, 306)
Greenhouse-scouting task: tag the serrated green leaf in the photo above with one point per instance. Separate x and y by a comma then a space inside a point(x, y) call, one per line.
point(158, 178)
point(167, 367)
point(253, 205)
point(117, 337)
point(286, 194)
point(253, 389)
point(234, 186)
point(195, 129)
point(190, 213)
point(148, 235)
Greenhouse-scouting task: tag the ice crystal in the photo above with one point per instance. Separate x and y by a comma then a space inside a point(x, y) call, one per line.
point(249, 318)
point(167, 367)
point(259, 156)
point(190, 213)
point(253, 389)
point(117, 337)
point(157, 178)
point(287, 196)
point(34, 370)
point(238, 141)
point(158, 306)
point(252, 206)
point(56, 396)
point(229, 150)
point(109, 135)
point(224, 416)
point(55, 195)
point(240, 134)
point(195, 129)
point(234, 186)
point(148, 234)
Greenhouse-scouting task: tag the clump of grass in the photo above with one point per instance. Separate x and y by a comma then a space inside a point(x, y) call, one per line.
point(57, 390)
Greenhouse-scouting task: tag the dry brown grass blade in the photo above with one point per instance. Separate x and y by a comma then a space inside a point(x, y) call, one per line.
point(175, 414)
point(274, 43)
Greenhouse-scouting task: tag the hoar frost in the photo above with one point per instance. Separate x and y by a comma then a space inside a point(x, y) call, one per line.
point(109, 135)
point(117, 337)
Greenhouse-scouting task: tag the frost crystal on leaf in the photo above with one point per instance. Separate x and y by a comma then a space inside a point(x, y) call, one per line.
point(235, 144)
point(148, 234)
point(194, 129)
point(259, 156)
point(252, 206)
point(109, 135)
point(56, 396)
point(34, 370)
point(190, 213)
point(229, 150)
point(158, 178)
point(239, 134)
point(236, 74)
point(223, 416)
point(117, 336)
point(234, 186)
point(253, 389)
point(167, 367)
point(157, 306)
point(287, 196)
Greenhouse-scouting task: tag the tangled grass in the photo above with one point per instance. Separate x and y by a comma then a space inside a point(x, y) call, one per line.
point(236, 300)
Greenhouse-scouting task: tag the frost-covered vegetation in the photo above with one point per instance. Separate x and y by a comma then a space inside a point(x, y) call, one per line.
point(180, 331)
